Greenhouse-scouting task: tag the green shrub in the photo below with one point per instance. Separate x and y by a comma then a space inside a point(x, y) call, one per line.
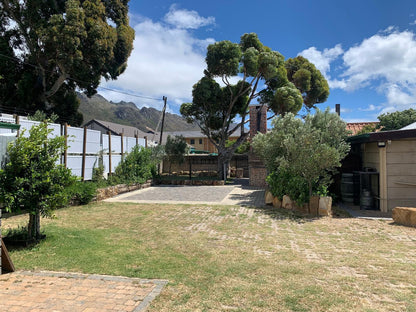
point(137, 167)
point(283, 182)
point(82, 192)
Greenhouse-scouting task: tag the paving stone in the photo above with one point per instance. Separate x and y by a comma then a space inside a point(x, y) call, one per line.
point(57, 291)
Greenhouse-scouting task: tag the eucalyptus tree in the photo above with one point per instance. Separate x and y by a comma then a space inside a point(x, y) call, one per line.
point(248, 70)
point(50, 48)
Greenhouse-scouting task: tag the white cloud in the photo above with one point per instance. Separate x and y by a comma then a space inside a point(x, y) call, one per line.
point(385, 62)
point(370, 108)
point(187, 19)
point(322, 59)
point(166, 61)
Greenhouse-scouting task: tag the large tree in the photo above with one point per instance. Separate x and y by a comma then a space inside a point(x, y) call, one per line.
point(249, 70)
point(396, 120)
point(48, 48)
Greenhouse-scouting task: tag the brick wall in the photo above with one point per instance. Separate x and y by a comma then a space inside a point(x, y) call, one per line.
point(258, 119)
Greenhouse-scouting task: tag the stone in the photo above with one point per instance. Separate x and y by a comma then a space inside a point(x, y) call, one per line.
point(287, 203)
point(268, 198)
point(277, 203)
point(314, 205)
point(325, 206)
point(404, 216)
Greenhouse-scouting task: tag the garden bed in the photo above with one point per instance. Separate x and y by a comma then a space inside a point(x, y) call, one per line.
point(111, 191)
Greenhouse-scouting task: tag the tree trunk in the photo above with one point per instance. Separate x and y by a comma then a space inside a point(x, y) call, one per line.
point(224, 158)
point(34, 226)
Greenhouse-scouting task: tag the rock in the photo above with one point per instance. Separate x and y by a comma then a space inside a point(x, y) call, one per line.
point(277, 203)
point(287, 203)
point(314, 205)
point(268, 198)
point(325, 206)
point(404, 216)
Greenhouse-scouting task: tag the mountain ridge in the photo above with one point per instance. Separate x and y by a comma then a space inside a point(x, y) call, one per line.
point(127, 113)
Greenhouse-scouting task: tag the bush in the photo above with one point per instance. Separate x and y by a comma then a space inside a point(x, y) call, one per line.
point(82, 192)
point(283, 182)
point(137, 167)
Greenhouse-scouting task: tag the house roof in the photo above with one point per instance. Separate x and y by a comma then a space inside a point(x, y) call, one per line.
point(356, 127)
point(195, 134)
point(117, 129)
point(383, 136)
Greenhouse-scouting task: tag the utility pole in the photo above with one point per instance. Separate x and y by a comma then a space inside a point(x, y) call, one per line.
point(165, 99)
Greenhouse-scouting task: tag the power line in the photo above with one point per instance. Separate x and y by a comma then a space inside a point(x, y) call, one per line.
point(81, 81)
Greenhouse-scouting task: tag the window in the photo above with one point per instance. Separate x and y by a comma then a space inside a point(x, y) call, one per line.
point(192, 142)
point(200, 141)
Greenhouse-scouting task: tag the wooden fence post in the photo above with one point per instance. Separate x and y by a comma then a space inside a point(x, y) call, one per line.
point(109, 152)
point(17, 122)
point(137, 139)
point(84, 152)
point(122, 145)
point(145, 141)
point(66, 145)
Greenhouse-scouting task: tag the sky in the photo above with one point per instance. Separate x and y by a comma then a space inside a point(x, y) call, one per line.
point(366, 49)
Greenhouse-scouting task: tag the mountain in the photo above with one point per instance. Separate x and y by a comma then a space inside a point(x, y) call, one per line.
point(127, 113)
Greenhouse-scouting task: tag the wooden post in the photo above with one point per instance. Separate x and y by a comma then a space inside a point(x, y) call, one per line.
point(66, 145)
point(84, 152)
point(137, 139)
point(17, 122)
point(145, 141)
point(109, 152)
point(122, 145)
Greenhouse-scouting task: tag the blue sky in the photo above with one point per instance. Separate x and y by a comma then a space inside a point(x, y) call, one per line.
point(366, 49)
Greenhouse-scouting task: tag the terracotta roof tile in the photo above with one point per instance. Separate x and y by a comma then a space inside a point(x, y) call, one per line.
point(355, 127)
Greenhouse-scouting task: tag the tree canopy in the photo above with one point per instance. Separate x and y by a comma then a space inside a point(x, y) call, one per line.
point(49, 48)
point(243, 68)
point(396, 120)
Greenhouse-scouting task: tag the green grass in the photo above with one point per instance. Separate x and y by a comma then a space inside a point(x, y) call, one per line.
point(222, 258)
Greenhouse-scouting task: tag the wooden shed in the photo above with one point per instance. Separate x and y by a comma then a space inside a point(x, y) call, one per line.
point(393, 155)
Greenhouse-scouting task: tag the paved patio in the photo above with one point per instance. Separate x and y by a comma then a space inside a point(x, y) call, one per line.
point(55, 291)
point(237, 194)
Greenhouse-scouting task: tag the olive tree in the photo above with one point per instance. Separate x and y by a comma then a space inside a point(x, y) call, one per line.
point(310, 148)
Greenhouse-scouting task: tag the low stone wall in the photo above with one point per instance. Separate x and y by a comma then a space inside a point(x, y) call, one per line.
point(404, 216)
point(112, 191)
point(317, 206)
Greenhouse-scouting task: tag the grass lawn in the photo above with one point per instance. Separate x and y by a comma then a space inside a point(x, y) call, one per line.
point(225, 258)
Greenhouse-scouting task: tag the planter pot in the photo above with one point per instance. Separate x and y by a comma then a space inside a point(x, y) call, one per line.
point(325, 206)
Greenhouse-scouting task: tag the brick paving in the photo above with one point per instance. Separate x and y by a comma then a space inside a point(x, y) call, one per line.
point(55, 291)
point(238, 194)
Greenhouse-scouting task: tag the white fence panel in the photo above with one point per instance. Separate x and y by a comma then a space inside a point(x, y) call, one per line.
point(75, 138)
point(90, 163)
point(27, 125)
point(93, 141)
point(115, 143)
point(130, 143)
point(115, 160)
point(142, 142)
point(56, 130)
point(75, 164)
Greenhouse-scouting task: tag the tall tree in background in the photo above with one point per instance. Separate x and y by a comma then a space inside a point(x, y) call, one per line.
point(243, 69)
point(48, 48)
point(396, 120)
